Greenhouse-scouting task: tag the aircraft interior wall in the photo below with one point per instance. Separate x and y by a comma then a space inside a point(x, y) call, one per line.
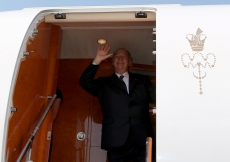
point(36, 79)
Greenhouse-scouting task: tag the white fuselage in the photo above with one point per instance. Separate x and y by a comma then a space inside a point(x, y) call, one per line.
point(192, 61)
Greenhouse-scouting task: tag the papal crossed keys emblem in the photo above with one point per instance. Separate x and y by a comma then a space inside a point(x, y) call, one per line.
point(198, 60)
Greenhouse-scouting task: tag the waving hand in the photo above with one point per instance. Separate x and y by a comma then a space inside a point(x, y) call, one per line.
point(102, 53)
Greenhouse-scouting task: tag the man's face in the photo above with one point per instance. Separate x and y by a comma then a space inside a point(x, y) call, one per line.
point(121, 61)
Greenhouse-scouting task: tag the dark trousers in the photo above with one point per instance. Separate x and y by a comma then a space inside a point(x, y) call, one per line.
point(130, 152)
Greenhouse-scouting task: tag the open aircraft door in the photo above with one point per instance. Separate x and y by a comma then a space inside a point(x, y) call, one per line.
point(193, 84)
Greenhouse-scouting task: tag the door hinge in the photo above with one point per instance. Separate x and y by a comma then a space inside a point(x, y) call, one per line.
point(140, 14)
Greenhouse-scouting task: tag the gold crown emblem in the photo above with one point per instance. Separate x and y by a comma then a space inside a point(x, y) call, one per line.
point(196, 41)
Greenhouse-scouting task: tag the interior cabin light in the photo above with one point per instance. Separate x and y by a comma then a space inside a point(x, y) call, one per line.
point(101, 41)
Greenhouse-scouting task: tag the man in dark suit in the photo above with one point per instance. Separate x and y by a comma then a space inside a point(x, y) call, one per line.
point(124, 98)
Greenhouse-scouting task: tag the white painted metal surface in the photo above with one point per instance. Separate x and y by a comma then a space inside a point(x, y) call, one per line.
point(190, 126)
point(193, 127)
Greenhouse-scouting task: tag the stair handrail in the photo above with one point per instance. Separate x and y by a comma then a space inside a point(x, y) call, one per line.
point(30, 140)
point(148, 149)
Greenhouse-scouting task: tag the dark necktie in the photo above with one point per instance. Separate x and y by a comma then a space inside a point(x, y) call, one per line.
point(123, 83)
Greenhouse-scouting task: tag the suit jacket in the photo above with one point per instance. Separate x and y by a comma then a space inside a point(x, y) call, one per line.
point(123, 113)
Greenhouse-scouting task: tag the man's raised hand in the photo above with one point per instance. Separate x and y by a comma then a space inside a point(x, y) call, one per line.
point(102, 53)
